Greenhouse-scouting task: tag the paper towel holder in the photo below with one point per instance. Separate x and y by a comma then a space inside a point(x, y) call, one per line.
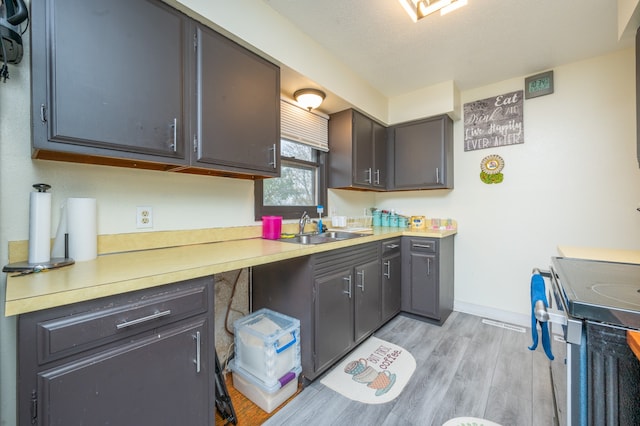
point(25, 268)
point(42, 187)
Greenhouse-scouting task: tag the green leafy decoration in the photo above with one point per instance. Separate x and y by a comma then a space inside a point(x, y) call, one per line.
point(489, 179)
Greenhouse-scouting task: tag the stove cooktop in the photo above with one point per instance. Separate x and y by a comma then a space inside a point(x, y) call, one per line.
point(601, 291)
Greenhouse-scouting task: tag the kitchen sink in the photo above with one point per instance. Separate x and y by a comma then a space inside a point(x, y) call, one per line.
point(326, 237)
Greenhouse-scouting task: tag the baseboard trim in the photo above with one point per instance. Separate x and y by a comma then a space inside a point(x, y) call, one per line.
point(493, 313)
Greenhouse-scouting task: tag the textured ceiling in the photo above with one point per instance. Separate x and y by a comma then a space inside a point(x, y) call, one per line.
point(484, 42)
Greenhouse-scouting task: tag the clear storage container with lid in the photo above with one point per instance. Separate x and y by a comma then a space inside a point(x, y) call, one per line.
point(267, 345)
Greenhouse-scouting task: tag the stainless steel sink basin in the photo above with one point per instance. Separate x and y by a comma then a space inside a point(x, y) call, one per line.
point(326, 237)
point(340, 235)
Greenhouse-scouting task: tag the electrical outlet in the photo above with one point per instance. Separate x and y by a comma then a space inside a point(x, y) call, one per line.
point(144, 217)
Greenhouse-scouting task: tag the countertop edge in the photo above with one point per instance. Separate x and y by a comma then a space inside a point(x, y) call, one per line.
point(604, 254)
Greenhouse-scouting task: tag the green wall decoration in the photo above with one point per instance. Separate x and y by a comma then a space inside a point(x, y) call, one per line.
point(491, 167)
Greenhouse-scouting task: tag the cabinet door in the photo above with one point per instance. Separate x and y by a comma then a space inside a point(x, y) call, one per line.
point(334, 317)
point(367, 299)
point(152, 380)
point(424, 297)
point(238, 107)
point(362, 150)
point(423, 154)
point(108, 78)
point(391, 285)
point(379, 156)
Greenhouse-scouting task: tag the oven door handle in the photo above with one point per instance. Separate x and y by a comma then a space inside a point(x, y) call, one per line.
point(540, 310)
point(572, 327)
point(544, 314)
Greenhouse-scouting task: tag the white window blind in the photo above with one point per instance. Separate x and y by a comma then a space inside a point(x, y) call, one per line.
point(299, 125)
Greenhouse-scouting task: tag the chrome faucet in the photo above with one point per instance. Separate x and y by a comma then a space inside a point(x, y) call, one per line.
point(303, 221)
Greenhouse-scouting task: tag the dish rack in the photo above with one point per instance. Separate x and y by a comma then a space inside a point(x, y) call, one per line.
point(352, 222)
point(359, 221)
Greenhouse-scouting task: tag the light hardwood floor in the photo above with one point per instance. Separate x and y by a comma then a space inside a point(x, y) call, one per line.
point(464, 368)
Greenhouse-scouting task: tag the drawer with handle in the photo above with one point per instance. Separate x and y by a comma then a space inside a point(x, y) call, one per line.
point(390, 247)
point(423, 245)
point(102, 321)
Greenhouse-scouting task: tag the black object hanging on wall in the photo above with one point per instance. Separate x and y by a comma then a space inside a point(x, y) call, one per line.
point(638, 92)
point(12, 14)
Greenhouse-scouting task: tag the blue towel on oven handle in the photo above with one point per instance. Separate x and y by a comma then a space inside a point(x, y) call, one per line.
point(538, 293)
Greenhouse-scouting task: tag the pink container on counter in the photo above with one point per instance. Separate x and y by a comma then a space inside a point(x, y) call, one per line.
point(271, 227)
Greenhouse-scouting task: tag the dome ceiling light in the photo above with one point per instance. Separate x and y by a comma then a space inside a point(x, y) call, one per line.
point(309, 98)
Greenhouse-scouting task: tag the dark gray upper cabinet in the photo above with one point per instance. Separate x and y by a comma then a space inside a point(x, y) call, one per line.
point(422, 154)
point(108, 79)
point(136, 83)
point(357, 152)
point(238, 107)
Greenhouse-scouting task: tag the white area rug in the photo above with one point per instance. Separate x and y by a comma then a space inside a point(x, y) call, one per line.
point(374, 373)
point(469, 421)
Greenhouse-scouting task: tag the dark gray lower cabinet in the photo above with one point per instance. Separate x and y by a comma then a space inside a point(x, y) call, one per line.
point(145, 357)
point(391, 274)
point(334, 317)
point(336, 296)
point(427, 277)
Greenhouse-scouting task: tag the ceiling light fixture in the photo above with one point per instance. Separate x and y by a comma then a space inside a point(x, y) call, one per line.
point(309, 98)
point(418, 9)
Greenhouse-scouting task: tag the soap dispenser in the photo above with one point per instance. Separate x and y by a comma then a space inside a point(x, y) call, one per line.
point(320, 211)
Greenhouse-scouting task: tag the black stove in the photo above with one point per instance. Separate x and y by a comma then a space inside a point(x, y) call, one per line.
point(607, 292)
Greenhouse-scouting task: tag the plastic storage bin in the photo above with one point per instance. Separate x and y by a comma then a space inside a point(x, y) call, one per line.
point(267, 346)
point(267, 398)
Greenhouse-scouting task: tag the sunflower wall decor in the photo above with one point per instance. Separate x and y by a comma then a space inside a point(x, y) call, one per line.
point(491, 167)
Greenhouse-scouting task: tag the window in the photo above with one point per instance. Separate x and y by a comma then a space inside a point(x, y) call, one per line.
point(301, 186)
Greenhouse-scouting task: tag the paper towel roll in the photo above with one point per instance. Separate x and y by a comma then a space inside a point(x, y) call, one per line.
point(39, 227)
point(82, 228)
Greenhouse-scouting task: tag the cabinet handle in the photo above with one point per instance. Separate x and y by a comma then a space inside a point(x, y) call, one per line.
point(274, 162)
point(388, 266)
point(361, 274)
point(422, 246)
point(34, 407)
point(143, 319)
point(197, 360)
point(437, 175)
point(377, 182)
point(392, 246)
point(174, 145)
point(428, 266)
point(368, 178)
point(43, 113)
point(348, 280)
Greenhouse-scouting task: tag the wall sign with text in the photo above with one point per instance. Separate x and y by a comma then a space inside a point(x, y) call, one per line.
point(494, 122)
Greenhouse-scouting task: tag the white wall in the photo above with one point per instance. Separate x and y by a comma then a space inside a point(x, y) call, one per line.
point(575, 181)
